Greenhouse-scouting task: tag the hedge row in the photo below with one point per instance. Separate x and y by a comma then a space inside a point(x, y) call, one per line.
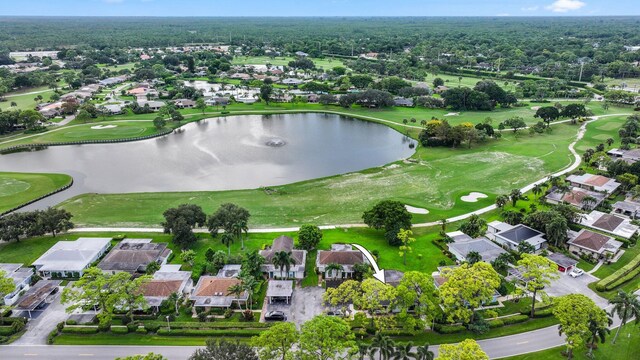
point(117, 329)
point(80, 330)
point(635, 272)
point(398, 332)
point(514, 319)
point(607, 283)
point(449, 329)
point(208, 325)
point(6, 330)
point(209, 332)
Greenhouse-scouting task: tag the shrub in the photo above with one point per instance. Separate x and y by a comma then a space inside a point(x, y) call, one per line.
point(131, 327)
point(117, 329)
point(80, 330)
point(228, 313)
point(514, 319)
point(202, 317)
point(126, 320)
point(60, 326)
point(72, 322)
point(542, 313)
point(4, 339)
point(6, 330)
point(141, 330)
point(608, 282)
point(52, 335)
point(247, 315)
point(450, 329)
point(495, 323)
point(151, 327)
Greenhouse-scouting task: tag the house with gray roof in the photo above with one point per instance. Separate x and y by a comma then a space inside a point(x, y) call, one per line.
point(510, 236)
point(463, 244)
point(628, 207)
point(21, 278)
point(629, 156)
point(284, 243)
point(71, 258)
point(610, 223)
point(279, 291)
point(133, 256)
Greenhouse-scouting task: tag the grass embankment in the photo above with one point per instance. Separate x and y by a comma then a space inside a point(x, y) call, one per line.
point(19, 188)
point(626, 346)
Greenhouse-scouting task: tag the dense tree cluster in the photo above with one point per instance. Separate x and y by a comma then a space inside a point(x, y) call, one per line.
point(441, 133)
point(11, 120)
point(34, 223)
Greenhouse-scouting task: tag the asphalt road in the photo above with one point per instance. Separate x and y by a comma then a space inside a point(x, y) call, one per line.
point(495, 348)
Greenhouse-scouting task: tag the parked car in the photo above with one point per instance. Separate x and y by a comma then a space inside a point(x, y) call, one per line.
point(275, 316)
point(335, 313)
point(576, 272)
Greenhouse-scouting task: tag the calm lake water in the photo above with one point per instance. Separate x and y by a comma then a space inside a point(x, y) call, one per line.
point(238, 152)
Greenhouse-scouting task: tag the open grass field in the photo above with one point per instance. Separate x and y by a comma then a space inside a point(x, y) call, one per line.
point(626, 346)
point(128, 66)
point(326, 63)
point(631, 83)
point(19, 188)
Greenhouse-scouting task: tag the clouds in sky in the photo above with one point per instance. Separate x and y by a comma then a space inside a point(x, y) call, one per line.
point(563, 6)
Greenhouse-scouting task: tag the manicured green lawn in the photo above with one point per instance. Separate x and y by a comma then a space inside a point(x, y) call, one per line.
point(19, 188)
point(626, 346)
point(129, 339)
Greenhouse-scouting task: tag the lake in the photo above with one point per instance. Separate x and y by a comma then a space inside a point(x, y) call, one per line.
point(236, 152)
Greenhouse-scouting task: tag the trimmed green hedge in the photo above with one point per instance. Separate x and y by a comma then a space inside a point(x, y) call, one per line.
point(514, 319)
point(209, 325)
point(616, 279)
point(450, 329)
point(80, 330)
point(209, 332)
point(6, 330)
point(117, 329)
point(398, 332)
point(542, 313)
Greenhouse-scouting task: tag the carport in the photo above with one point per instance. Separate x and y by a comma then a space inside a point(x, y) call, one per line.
point(37, 295)
point(279, 291)
point(565, 263)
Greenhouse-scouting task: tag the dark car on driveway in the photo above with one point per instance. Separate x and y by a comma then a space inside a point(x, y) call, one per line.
point(275, 316)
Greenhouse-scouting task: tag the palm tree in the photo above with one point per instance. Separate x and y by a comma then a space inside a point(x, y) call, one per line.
point(248, 284)
point(227, 240)
point(384, 346)
point(403, 352)
point(363, 350)
point(588, 201)
point(626, 306)
point(515, 195)
point(598, 331)
point(238, 229)
point(333, 268)
point(237, 290)
point(283, 260)
point(473, 257)
point(537, 189)
point(424, 353)
point(174, 298)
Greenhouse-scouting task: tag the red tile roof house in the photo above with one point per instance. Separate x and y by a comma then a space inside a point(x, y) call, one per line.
point(342, 255)
point(213, 292)
point(166, 281)
point(593, 244)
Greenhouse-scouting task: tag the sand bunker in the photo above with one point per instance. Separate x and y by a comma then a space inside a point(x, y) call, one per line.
point(536, 108)
point(473, 197)
point(101, 127)
point(452, 114)
point(415, 210)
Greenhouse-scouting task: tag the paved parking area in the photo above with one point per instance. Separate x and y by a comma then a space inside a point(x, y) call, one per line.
point(43, 322)
point(305, 304)
point(568, 285)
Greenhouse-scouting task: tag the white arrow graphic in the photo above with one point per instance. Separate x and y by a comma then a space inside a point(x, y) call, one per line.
point(377, 272)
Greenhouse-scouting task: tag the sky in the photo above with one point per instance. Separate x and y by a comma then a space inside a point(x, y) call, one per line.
point(320, 7)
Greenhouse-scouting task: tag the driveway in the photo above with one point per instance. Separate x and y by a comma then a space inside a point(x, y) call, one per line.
point(566, 285)
point(305, 304)
point(43, 322)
